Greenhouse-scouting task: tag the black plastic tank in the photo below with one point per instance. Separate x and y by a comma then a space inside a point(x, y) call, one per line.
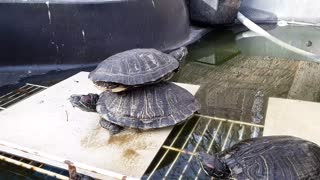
point(88, 31)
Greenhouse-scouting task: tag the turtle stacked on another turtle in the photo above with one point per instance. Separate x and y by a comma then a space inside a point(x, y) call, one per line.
point(135, 94)
point(135, 68)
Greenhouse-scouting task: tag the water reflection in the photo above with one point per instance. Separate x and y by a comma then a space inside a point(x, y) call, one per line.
point(303, 37)
point(233, 66)
point(215, 48)
point(238, 71)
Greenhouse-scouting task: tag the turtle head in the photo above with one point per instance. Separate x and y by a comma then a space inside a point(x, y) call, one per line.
point(180, 54)
point(213, 166)
point(109, 86)
point(85, 102)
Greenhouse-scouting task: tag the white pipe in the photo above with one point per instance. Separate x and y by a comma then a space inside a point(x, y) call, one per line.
point(254, 27)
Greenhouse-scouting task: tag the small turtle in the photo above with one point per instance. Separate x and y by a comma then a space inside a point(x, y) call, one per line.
point(269, 157)
point(135, 68)
point(153, 106)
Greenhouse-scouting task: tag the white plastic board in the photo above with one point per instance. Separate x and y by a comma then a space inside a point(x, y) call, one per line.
point(293, 117)
point(46, 128)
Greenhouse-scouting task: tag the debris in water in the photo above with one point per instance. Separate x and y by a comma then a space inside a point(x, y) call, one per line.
point(309, 43)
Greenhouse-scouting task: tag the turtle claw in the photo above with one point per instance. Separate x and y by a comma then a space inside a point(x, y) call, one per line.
point(179, 54)
point(113, 128)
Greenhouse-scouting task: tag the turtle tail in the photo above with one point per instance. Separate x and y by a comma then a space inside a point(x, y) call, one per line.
point(180, 54)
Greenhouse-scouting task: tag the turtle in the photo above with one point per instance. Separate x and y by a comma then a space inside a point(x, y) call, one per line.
point(148, 107)
point(268, 157)
point(136, 67)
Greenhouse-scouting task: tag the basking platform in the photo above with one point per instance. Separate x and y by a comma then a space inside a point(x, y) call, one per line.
point(293, 117)
point(46, 128)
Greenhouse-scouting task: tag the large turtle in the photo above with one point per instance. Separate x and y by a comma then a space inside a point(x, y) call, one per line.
point(135, 68)
point(153, 106)
point(269, 157)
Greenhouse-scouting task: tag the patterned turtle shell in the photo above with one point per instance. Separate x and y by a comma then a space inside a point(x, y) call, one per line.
point(153, 106)
point(135, 67)
point(273, 157)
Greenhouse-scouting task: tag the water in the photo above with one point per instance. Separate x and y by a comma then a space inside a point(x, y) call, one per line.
point(11, 172)
point(237, 72)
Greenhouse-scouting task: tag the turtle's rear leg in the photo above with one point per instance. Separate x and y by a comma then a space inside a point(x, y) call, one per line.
point(85, 102)
point(113, 128)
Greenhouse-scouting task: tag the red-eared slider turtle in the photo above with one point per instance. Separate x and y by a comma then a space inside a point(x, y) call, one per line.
point(153, 106)
point(135, 68)
point(270, 157)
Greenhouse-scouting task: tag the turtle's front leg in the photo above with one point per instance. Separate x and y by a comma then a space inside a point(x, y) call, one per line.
point(113, 128)
point(85, 102)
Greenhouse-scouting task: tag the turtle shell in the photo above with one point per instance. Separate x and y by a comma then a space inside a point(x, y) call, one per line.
point(153, 106)
point(273, 157)
point(134, 67)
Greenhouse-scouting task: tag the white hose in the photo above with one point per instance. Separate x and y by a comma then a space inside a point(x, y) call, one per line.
point(254, 27)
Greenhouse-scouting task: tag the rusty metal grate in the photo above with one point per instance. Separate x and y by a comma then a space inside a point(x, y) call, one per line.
point(37, 167)
point(201, 133)
point(19, 94)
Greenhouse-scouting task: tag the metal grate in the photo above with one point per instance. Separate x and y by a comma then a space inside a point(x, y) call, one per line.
point(34, 166)
point(201, 133)
point(19, 94)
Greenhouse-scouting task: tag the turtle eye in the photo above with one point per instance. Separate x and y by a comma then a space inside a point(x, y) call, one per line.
point(83, 103)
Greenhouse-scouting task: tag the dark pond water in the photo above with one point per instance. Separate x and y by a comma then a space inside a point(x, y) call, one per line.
point(237, 71)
